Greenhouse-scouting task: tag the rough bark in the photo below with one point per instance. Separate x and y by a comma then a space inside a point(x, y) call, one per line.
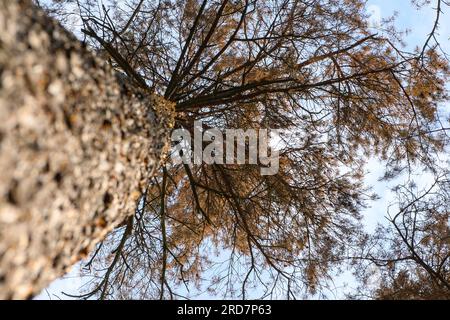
point(77, 145)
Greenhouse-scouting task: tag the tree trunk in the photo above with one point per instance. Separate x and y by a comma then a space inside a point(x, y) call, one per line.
point(77, 147)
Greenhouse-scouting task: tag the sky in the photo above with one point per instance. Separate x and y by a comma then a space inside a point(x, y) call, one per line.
point(420, 23)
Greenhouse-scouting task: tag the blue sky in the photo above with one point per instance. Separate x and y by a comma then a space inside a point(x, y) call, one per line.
point(408, 17)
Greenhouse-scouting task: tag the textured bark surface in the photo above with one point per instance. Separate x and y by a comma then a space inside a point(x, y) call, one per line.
point(77, 146)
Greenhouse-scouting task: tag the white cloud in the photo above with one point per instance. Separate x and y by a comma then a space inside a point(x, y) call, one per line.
point(375, 15)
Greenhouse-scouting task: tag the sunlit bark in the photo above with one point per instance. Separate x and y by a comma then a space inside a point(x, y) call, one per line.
point(78, 144)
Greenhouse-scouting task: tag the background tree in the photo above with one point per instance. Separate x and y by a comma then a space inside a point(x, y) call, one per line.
point(412, 253)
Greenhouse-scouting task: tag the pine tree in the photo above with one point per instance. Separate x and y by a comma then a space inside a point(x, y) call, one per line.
point(339, 91)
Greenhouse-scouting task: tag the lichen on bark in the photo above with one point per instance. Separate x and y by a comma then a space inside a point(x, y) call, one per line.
point(77, 146)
